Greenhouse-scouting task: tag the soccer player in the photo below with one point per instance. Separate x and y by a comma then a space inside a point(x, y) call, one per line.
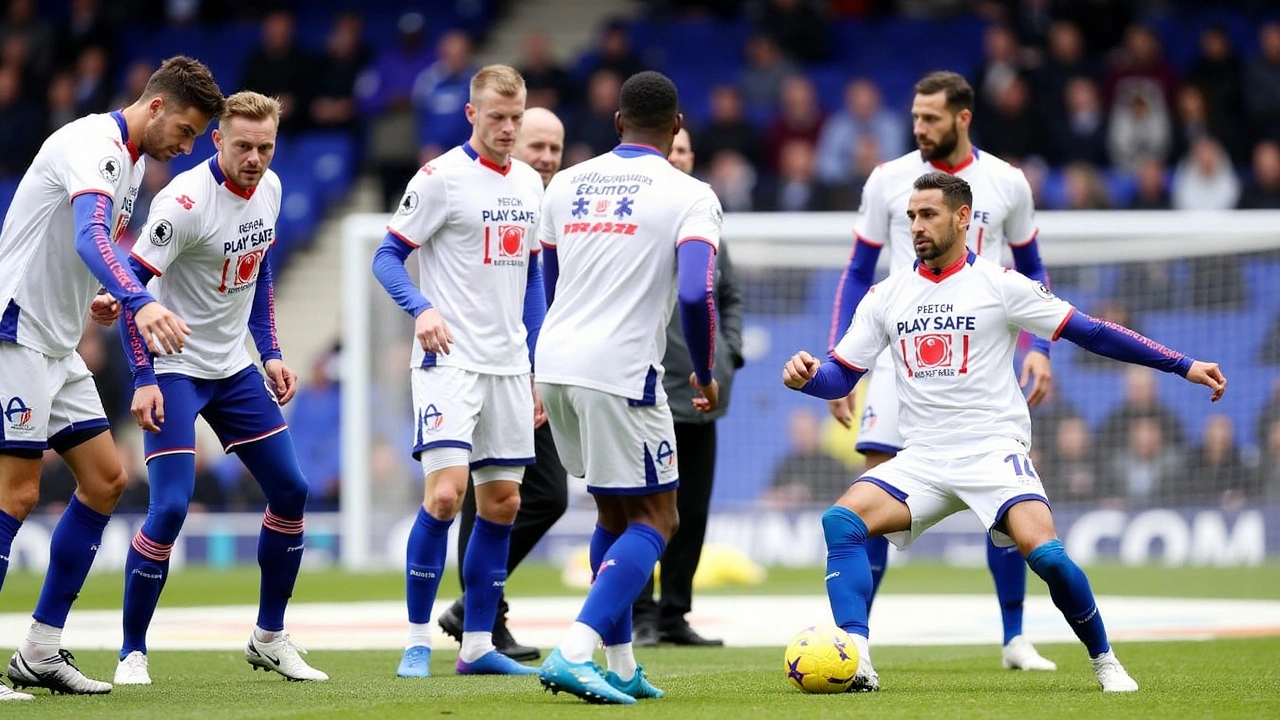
point(57, 247)
point(205, 244)
point(941, 112)
point(544, 493)
point(472, 214)
point(950, 322)
point(620, 232)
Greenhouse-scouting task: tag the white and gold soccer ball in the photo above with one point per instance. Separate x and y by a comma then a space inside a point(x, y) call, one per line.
point(821, 659)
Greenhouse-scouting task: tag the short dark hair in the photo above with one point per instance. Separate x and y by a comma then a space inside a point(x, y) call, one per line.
point(649, 101)
point(959, 92)
point(955, 191)
point(185, 82)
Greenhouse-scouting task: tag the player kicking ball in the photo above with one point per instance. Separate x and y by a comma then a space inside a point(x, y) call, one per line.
point(205, 245)
point(951, 323)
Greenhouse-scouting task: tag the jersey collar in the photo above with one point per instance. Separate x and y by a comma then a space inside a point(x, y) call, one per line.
point(118, 116)
point(471, 153)
point(633, 150)
point(953, 169)
point(225, 182)
point(937, 276)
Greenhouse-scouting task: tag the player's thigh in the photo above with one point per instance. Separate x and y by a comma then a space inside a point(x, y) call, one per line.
point(241, 409)
point(628, 449)
point(878, 431)
point(566, 426)
point(184, 397)
point(100, 476)
point(994, 483)
point(446, 405)
point(503, 435)
point(902, 498)
point(75, 412)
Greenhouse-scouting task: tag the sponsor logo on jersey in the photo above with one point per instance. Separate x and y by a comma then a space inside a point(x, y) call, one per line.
point(18, 414)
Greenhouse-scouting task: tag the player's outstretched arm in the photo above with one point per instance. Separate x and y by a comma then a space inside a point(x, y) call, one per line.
point(827, 380)
point(1120, 343)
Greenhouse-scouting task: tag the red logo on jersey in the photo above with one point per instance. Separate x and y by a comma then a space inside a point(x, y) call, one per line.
point(933, 350)
point(247, 268)
point(186, 202)
point(511, 239)
point(602, 207)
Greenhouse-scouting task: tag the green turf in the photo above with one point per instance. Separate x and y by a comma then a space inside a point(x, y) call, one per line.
point(1222, 679)
point(199, 586)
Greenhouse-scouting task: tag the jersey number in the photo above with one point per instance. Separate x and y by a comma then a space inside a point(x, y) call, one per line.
point(1022, 466)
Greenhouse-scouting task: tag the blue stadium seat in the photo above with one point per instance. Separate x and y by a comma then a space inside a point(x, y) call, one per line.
point(330, 160)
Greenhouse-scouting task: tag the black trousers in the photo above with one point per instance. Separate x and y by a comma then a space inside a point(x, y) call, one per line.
point(544, 496)
point(696, 460)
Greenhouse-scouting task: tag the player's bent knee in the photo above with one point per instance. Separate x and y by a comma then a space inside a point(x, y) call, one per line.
point(19, 493)
point(289, 497)
point(165, 520)
point(498, 492)
point(840, 525)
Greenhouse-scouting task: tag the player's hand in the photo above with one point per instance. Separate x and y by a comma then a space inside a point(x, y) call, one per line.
point(284, 382)
point(148, 408)
point(842, 409)
point(708, 397)
point(1035, 368)
point(539, 412)
point(104, 309)
point(799, 370)
point(1209, 375)
point(161, 329)
point(432, 332)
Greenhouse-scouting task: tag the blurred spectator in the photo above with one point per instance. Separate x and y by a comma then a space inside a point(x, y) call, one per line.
point(807, 475)
point(1001, 65)
point(734, 181)
point(799, 27)
point(592, 129)
point(1065, 59)
point(1195, 119)
point(1269, 351)
point(1152, 191)
point(440, 93)
point(1146, 469)
point(20, 125)
point(1218, 473)
point(1102, 22)
point(383, 93)
point(1011, 129)
point(762, 78)
point(135, 81)
point(1204, 179)
point(1079, 132)
point(15, 53)
point(314, 420)
point(863, 116)
point(280, 68)
point(93, 91)
point(1084, 188)
point(60, 102)
point(1262, 78)
point(1138, 125)
point(728, 129)
point(1149, 286)
point(549, 85)
point(23, 20)
point(1263, 189)
point(1267, 428)
point(85, 26)
point(1141, 402)
point(613, 53)
point(847, 196)
point(799, 118)
point(333, 104)
point(1219, 74)
point(1140, 62)
point(796, 188)
point(1071, 471)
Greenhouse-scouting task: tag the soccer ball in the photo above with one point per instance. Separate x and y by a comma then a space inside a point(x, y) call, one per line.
point(821, 659)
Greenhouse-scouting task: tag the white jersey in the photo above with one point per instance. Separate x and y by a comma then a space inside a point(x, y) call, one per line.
point(204, 241)
point(474, 225)
point(45, 288)
point(952, 338)
point(615, 221)
point(1003, 208)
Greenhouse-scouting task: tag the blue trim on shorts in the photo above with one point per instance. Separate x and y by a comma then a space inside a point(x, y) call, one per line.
point(428, 361)
point(862, 447)
point(1004, 508)
point(419, 449)
point(901, 496)
point(650, 396)
point(9, 321)
point(646, 490)
point(23, 445)
point(504, 462)
point(90, 424)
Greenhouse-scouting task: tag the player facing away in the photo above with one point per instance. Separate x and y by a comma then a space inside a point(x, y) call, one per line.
point(951, 323)
point(624, 233)
point(472, 215)
point(1002, 217)
point(204, 252)
point(544, 492)
point(57, 247)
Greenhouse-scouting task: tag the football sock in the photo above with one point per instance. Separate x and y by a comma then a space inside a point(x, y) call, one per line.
point(1009, 571)
point(621, 576)
point(621, 659)
point(280, 548)
point(424, 564)
point(601, 541)
point(878, 558)
point(146, 568)
point(8, 529)
point(1070, 591)
point(848, 572)
point(71, 551)
point(484, 568)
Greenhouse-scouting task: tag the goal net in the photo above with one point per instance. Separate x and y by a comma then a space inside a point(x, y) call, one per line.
point(1112, 439)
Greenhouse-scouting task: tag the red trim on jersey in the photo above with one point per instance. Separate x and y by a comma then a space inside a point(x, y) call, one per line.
point(546, 244)
point(904, 357)
point(240, 192)
point(695, 238)
point(928, 273)
point(86, 192)
point(953, 169)
point(118, 116)
point(146, 265)
point(403, 239)
point(836, 356)
point(964, 364)
point(1034, 234)
point(1057, 333)
point(500, 169)
point(867, 240)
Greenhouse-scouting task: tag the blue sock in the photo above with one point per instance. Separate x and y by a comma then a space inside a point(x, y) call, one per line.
point(146, 568)
point(280, 547)
point(601, 541)
point(1071, 593)
point(484, 570)
point(71, 551)
point(849, 584)
point(620, 577)
point(1009, 571)
point(878, 557)
point(424, 564)
point(8, 529)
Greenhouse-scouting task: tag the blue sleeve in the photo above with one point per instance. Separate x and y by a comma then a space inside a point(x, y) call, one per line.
point(1026, 260)
point(106, 260)
point(1120, 343)
point(854, 284)
point(262, 318)
point(135, 348)
point(550, 272)
point(388, 267)
point(535, 306)
point(696, 267)
point(833, 381)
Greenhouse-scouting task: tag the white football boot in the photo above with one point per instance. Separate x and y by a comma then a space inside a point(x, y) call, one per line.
point(8, 693)
point(1020, 654)
point(132, 670)
point(1111, 674)
point(57, 674)
point(281, 655)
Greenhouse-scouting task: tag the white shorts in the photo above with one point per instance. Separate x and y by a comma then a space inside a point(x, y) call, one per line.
point(935, 486)
point(879, 429)
point(44, 400)
point(619, 448)
point(490, 416)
